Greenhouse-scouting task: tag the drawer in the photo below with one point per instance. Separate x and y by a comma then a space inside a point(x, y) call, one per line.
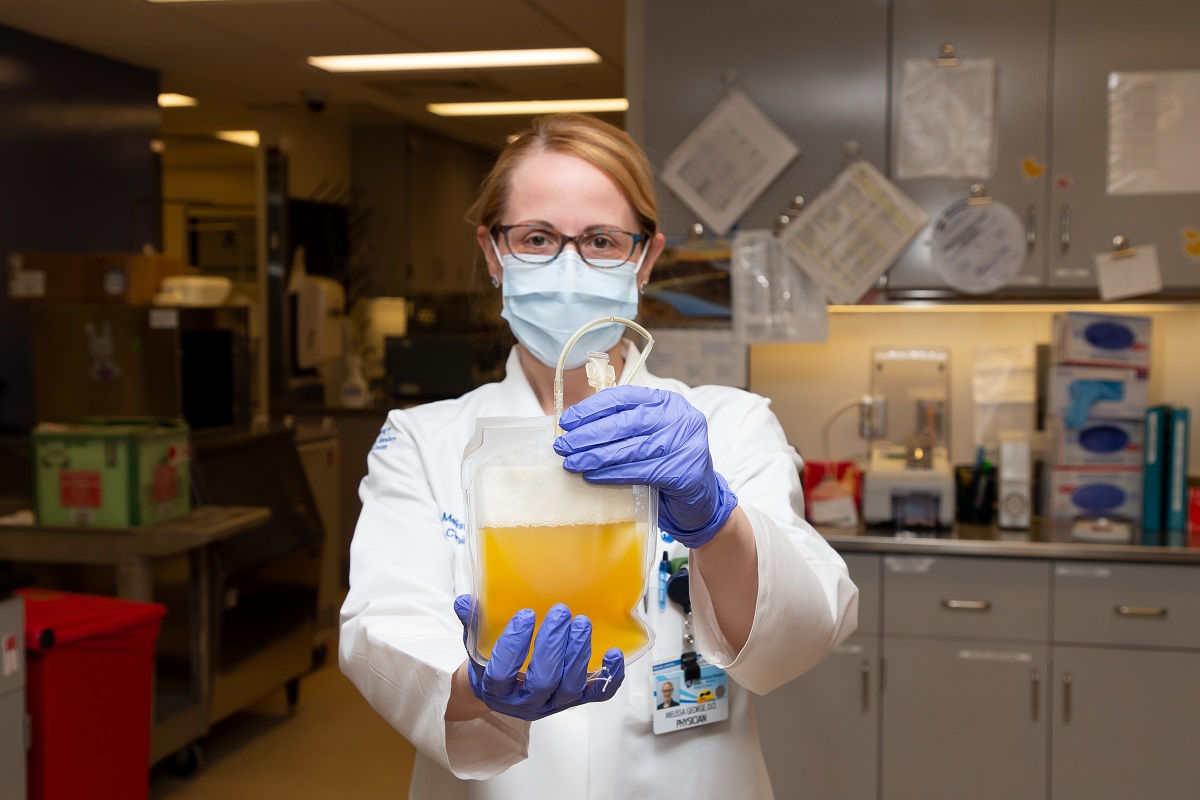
point(986, 598)
point(864, 571)
point(1153, 605)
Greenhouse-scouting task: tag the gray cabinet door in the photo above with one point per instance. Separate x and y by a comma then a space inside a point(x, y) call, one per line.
point(1126, 725)
point(818, 70)
point(864, 569)
point(322, 467)
point(963, 719)
point(1016, 34)
point(1094, 38)
point(820, 732)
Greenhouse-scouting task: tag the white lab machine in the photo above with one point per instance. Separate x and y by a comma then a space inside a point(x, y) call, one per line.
point(909, 483)
point(1014, 504)
point(320, 314)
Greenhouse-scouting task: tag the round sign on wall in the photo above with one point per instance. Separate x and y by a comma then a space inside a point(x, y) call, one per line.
point(978, 247)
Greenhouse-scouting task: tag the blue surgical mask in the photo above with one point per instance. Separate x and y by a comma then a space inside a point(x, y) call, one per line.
point(546, 303)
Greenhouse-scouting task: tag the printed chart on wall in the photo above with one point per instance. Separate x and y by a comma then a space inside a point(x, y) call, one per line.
point(1153, 127)
point(852, 232)
point(722, 166)
point(946, 119)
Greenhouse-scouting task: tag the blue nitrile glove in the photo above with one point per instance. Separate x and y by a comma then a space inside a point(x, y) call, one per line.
point(557, 677)
point(634, 435)
point(1085, 394)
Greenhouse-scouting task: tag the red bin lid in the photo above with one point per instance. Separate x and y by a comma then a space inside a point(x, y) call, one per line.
point(56, 618)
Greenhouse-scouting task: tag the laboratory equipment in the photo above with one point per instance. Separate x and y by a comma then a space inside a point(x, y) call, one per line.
point(539, 535)
point(1015, 493)
point(908, 482)
point(320, 313)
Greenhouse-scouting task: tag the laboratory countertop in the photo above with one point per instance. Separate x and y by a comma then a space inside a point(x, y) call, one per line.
point(201, 526)
point(981, 540)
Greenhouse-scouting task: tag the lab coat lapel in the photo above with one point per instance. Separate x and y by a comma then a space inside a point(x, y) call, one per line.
point(516, 397)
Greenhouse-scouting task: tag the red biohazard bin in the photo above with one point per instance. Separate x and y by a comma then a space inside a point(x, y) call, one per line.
point(89, 694)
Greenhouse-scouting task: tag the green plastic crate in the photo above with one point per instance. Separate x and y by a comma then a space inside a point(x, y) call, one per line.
point(111, 472)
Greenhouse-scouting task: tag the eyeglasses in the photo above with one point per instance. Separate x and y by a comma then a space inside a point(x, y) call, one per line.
point(537, 244)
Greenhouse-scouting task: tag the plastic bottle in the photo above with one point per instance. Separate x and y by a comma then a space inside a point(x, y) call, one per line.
point(353, 392)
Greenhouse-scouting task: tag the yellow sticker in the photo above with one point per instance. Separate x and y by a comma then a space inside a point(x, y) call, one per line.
point(1191, 243)
point(1032, 168)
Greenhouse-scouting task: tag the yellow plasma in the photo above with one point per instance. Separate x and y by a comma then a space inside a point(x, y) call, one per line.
point(597, 570)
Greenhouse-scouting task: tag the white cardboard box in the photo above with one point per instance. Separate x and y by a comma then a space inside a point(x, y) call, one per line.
point(1095, 492)
point(1099, 443)
point(1101, 340)
point(1067, 382)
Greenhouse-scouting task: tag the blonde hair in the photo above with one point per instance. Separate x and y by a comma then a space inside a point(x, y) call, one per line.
point(604, 146)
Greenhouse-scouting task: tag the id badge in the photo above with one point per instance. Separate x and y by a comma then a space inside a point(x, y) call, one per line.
point(680, 704)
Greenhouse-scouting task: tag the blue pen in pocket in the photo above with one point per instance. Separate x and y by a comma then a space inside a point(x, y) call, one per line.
point(664, 572)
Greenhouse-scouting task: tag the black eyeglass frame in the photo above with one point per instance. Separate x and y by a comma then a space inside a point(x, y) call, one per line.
point(503, 230)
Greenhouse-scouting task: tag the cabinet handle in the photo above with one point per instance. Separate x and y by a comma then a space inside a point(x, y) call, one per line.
point(967, 605)
point(1141, 611)
point(866, 686)
point(1067, 681)
point(1035, 680)
point(1064, 227)
point(1031, 226)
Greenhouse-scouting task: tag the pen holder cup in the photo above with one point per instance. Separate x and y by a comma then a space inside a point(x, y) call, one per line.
point(974, 494)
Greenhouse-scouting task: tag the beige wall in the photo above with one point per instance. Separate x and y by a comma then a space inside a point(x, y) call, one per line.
point(807, 381)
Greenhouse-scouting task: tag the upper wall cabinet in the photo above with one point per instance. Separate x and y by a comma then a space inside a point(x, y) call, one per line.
point(1016, 35)
point(818, 70)
point(1092, 39)
point(828, 73)
point(1053, 168)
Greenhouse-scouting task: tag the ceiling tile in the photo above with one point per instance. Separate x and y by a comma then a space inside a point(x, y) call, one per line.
point(301, 29)
point(470, 24)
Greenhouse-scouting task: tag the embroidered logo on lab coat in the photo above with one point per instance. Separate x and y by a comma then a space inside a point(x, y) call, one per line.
point(454, 530)
point(386, 436)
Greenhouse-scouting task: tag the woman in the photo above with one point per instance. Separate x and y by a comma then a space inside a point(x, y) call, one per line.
point(567, 224)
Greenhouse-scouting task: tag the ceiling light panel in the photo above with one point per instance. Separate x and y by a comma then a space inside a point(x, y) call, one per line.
point(514, 108)
point(478, 59)
point(173, 100)
point(248, 138)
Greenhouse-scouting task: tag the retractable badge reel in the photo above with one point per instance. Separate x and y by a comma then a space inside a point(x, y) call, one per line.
point(688, 692)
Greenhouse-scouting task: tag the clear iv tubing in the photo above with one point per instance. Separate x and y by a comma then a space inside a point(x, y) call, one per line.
point(600, 675)
point(625, 378)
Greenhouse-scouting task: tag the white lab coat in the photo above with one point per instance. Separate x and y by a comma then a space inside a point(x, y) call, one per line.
point(401, 642)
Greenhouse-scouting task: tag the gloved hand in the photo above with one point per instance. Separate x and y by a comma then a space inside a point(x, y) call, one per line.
point(557, 677)
point(634, 435)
